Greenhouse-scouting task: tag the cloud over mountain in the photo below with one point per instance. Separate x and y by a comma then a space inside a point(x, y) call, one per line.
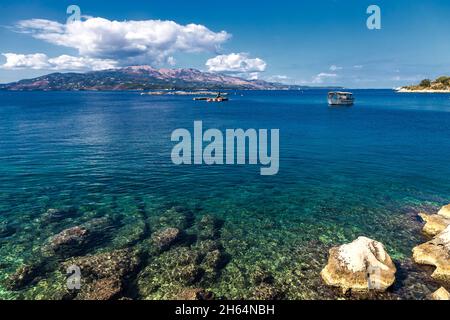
point(128, 42)
point(323, 77)
point(25, 61)
point(40, 61)
point(238, 63)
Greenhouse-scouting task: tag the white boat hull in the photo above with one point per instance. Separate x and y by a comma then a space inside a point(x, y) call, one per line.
point(333, 102)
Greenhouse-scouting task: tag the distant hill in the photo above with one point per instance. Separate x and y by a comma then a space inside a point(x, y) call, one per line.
point(140, 78)
point(441, 84)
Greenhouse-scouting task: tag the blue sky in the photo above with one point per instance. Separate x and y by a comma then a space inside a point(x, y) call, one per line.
point(322, 42)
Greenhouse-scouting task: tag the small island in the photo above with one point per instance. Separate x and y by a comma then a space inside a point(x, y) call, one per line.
point(440, 85)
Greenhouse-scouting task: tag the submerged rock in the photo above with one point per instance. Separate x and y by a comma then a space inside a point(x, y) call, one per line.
point(193, 294)
point(213, 260)
point(163, 239)
point(181, 263)
point(187, 274)
point(445, 211)
point(23, 277)
point(109, 264)
point(6, 230)
point(98, 225)
point(78, 239)
point(169, 272)
point(208, 228)
point(51, 286)
point(211, 265)
point(259, 276)
point(206, 246)
point(130, 234)
point(361, 265)
point(440, 294)
point(434, 224)
point(102, 289)
point(436, 253)
point(104, 275)
point(176, 217)
point(56, 215)
point(67, 241)
point(266, 291)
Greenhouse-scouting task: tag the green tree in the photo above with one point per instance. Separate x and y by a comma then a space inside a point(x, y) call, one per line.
point(426, 83)
point(444, 80)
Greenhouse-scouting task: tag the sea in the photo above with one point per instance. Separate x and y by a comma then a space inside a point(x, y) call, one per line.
point(344, 172)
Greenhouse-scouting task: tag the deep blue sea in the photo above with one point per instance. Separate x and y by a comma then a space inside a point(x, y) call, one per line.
point(344, 172)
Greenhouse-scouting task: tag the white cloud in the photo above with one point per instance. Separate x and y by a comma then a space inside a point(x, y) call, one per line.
point(323, 76)
point(39, 61)
point(358, 67)
point(25, 61)
point(66, 62)
point(129, 42)
point(236, 63)
point(278, 78)
point(335, 68)
point(33, 26)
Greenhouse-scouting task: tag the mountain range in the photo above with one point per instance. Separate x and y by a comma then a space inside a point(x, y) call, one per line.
point(141, 78)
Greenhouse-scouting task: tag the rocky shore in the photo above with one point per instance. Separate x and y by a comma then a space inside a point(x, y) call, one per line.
point(177, 261)
point(436, 252)
point(361, 265)
point(180, 255)
point(364, 264)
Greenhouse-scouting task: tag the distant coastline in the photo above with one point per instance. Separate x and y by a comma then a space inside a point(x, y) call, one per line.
point(405, 90)
point(143, 78)
point(440, 85)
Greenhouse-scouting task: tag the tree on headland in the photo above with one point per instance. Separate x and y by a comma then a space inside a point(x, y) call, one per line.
point(444, 80)
point(426, 83)
point(441, 84)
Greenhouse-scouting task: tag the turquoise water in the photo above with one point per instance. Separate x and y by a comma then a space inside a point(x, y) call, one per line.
point(344, 172)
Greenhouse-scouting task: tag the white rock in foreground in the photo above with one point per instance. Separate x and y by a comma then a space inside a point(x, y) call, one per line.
point(440, 294)
point(436, 253)
point(445, 211)
point(434, 223)
point(361, 265)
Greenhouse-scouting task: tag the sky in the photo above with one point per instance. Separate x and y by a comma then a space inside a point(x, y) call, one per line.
point(318, 43)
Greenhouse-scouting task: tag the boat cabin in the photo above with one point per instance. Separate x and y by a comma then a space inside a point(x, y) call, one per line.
point(340, 98)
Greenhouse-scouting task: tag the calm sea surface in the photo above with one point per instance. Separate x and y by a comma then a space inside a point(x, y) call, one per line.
point(344, 172)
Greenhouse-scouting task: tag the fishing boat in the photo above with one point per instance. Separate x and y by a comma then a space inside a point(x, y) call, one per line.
point(218, 98)
point(340, 98)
